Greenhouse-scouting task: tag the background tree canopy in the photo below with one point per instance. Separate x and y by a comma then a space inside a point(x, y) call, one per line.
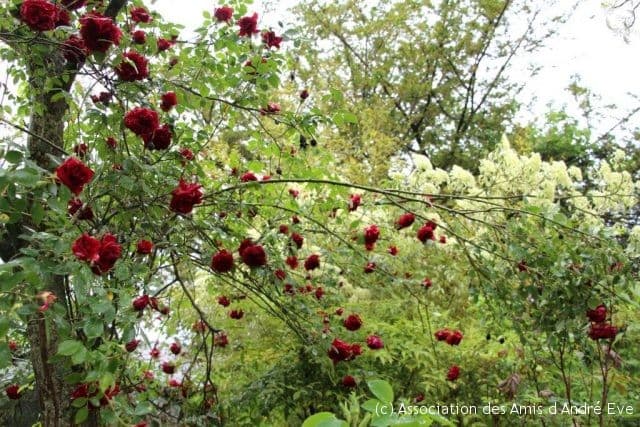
point(240, 225)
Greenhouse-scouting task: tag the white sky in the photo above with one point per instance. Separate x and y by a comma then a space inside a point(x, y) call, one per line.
point(585, 46)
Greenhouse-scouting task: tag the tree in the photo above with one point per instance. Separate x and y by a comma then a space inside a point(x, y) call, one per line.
point(422, 77)
point(129, 264)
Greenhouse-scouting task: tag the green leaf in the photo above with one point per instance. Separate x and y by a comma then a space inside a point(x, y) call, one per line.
point(69, 347)
point(81, 415)
point(94, 328)
point(143, 408)
point(323, 419)
point(5, 355)
point(37, 213)
point(382, 390)
point(4, 326)
point(371, 405)
point(106, 381)
point(13, 156)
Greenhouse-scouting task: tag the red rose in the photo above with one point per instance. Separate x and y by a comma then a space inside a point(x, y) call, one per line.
point(254, 256)
point(133, 67)
point(248, 25)
point(271, 108)
point(280, 274)
point(292, 262)
point(13, 392)
point(168, 101)
point(142, 121)
point(132, 345)
point(297, 239)
point(223, 14)
point(405, 220)
point(270, 39)
point(168, 368)
point(454, 338)
point(353, 322)
point(370, 267)
point(160, 139)
point(164, 44)
point(220, 339)
point(427, 283)
point(199, 326)
point(74, 174)
point(140, 14)
point(86, 248)
point(598, 314)
point(175, 348)
point(244, 245)
point(371, 235)
point(63, 19)
point(13, 346)
point(223, 301)
point(443, 239)
point(82, 390)
point(393, 250)
point(349, 382)
point(294, 193)
point(99, 32)
point(222, 262)
point(80, 149)
point(454, 373)
point(312, 262)
point(426, 232)
point(109, 253)
point(295, 219)
point(83, 212)
point(343, 351)
point(236, 314)
point(319, 293)
point(304, 94)
point(72, 4)
point(442, 334)
point(374, 342)
point(187, 154)
point(604, 331)
point(284, 229)
point(141, 302)
point(154, 353)
point(248, 176)
point(139, 37)
point(354, 201)
point(185, 196)
point(144, 247)
point(339, 311)
point(174, 383)
point(39, 15)
point(74, 50)
point(111, 142)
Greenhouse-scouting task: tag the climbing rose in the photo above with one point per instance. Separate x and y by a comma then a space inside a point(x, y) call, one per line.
point(248, 176)
point(248, 25)
point(74, 174)
point(164, 44)
point(374, 342)
point(223, 14)
point(99, 32)
point(405, 220)
point(605, 331)
point(343, 351)
point(220, 339)
point(39, 15)
point(284, 229)
point(270, 39)
point(109, 253)
point(111, 142)
point(280, 274)
point(370, 267)
point(141, 121)
point(132, 345)
point(223, 301)
point(141, 302)
point(140, 14)
point(442, 334)
point(187, 154)
point(371, 235)
point(353, 322)
point(598, 314)
point(393, 250)
point(254, 256)
point(185, 196)
point(144, 247)
point(297, 239)
point(349, 382)
point(154, 353)
point(13, 392)
point(160, 139)
point(175, 348)
point(312, 262)
point(454, 373)
point(271, 108)
point(304, 94)
point(83, 212)
point(319, 292)
point(354, 201)
point(222, 261)
point(168, 368)
point(427, 283)
point(426, 232)
point(168, 101)
point(139, 37)
point(133, 67)
point(292, 262)
point(454, 338)
point(74, 50)
point(86, 248)
point(236, 314)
